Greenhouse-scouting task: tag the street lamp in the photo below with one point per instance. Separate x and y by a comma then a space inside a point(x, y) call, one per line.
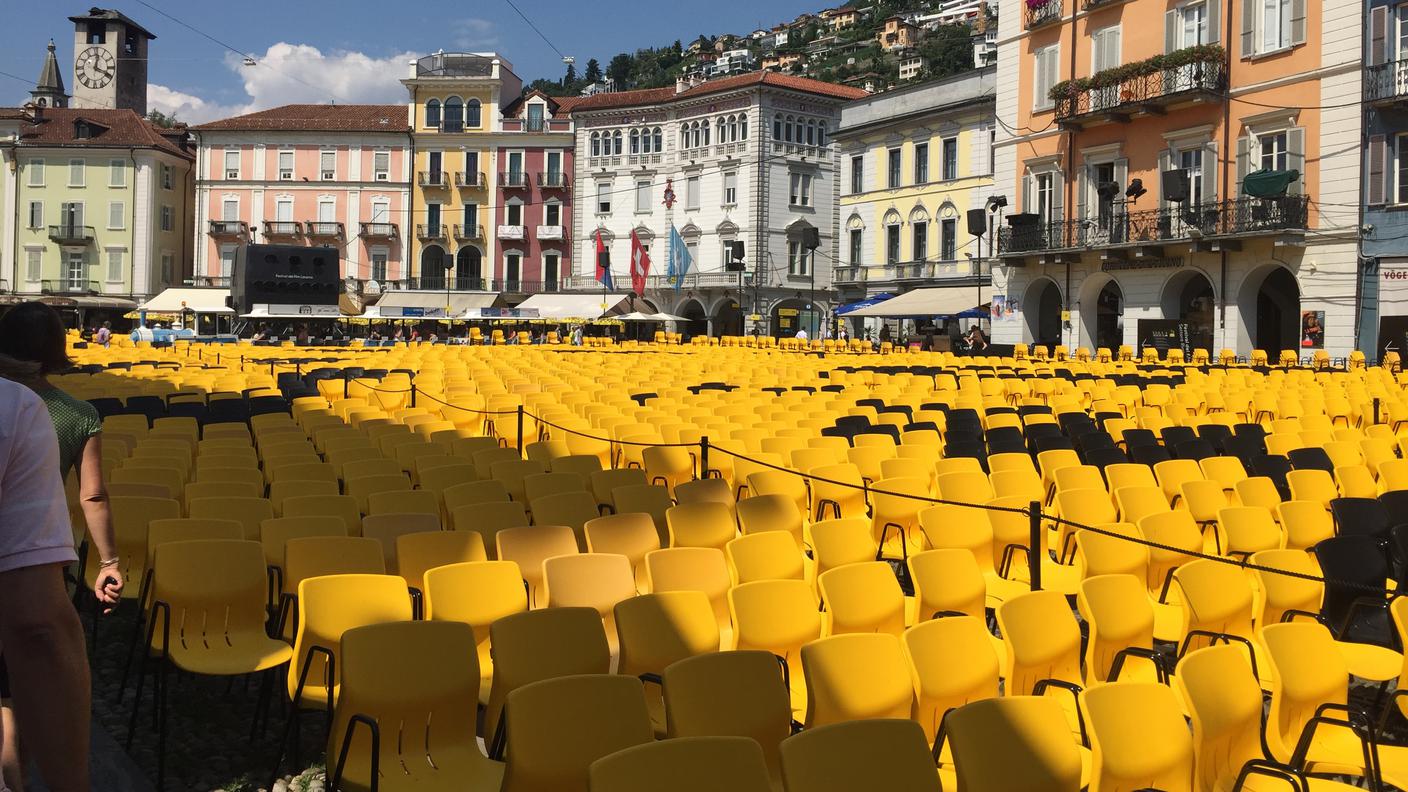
point(808, 238)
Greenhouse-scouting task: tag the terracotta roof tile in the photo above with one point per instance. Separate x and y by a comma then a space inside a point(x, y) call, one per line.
point(768, 78)
point(109, 128)
point(317, 118)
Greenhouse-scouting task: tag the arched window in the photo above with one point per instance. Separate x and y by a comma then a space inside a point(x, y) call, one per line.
point(821, 133)
point(684, 136)
point(777, 127)
point(647, 143)
point(705, 126)
point(797, 130)
point(658, 135)
point(787, 129)
point(811, 133)
point(743, 127)
point(471, 113)
point(719, 131)
point(616, 142)
point(432, 113)
point(635, 141)
point(694, 136)
point(596, 144)
point(454, 115)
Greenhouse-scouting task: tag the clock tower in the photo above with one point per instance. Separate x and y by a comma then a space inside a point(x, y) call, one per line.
point(109, 61)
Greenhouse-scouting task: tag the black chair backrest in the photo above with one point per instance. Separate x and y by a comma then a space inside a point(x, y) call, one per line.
point(1149, 454)
point(1360, 516)
point(1040, 444)
point(1194, 449)
point(1274, 467)
point(1103, 457)
point(1173, 435)
point(1217, 434)
point(1093, 440)
point(1395, 502)
point(1138, 437)
point(1004, 433)
point(1311, 459)
point(1354, 565)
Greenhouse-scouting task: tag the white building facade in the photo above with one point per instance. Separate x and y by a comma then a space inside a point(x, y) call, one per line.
point(749, 159)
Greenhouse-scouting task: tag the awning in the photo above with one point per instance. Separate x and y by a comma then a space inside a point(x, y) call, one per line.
point(198, 300)
point(937, 301)
point(574, 306)
point(293, 312)
point(1269, 183)
point(113, 303)
point(427, 304)
point(874, 299)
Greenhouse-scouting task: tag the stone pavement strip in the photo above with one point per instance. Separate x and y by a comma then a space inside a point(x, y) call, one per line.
point(110, 769)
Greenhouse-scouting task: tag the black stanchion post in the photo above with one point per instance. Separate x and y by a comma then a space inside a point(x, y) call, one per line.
point(413, 394)
point(520, 430)
point(346, 386)
point(1034, 546)
point(217, 358)
point(704, 456)
point(1376, 410)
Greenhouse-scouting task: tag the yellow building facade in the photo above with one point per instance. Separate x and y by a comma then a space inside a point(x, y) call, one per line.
point(913, 162)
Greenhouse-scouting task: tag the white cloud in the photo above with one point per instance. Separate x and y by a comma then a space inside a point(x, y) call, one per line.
point(474, 33)
point(294, 73)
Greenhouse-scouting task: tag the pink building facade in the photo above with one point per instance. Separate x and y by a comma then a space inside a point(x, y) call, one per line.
point(333, 175)
point(533, 201)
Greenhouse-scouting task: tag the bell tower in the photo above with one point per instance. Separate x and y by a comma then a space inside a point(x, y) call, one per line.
point(49, 90)
point(109, 61)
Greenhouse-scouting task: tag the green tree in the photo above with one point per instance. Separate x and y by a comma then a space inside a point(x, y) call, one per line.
point(620, 69)
point(593, 72)
point(163, 120)
point(570, 78)
point(949, 49)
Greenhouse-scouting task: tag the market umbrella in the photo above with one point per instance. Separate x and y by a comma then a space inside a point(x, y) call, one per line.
point(664, 317)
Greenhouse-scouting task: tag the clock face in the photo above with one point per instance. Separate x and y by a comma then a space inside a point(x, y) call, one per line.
point(94, 67)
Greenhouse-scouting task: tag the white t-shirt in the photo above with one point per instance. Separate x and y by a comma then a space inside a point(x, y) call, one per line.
point(802, 334)
point(34, 519)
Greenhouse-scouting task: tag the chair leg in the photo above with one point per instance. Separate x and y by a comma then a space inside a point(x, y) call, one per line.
point(137, 701)
point(160, 708)
point(131, 649)
point(290, 730)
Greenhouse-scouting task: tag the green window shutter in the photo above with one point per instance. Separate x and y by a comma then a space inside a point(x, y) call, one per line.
point(1377, 170)
point(1248, 28)
point(1297, 22)
point(1211, 170)
point(1295, 157)
point(1378, 35)
point(1244, 157)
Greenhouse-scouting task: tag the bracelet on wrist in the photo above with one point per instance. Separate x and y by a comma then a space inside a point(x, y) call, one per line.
point(114, 561)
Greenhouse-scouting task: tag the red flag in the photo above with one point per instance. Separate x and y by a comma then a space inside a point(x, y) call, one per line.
point(603, 263)
point(640, 265)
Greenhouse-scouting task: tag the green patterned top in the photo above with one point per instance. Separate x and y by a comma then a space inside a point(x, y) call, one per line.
point(75, 421)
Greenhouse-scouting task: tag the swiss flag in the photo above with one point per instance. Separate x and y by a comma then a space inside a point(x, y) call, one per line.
point(640, 265)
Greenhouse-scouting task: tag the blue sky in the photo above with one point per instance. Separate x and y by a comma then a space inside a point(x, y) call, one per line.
point(355, 50)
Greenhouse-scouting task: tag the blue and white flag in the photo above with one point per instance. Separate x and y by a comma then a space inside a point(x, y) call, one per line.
point(679, 260)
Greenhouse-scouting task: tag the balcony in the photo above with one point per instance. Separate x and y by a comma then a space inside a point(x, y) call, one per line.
point(229, 229)
point(1386, 83)
point(210, 281)
point(468, 231)
point(455, 64)
point(469, 179)
point(452, 283)
point(282, 229)
point(69, 234)
point(516, 179)
point(556, 180)
point(1041, 12)
point(379, 231)
point(435, 179)
point(1149, 86)
point(68, 286)
point(907, 272)
point(1218, 223)
point(324, 230)
point(516, 233)
point(701, 280)
point(549, 232)
point(430, 231)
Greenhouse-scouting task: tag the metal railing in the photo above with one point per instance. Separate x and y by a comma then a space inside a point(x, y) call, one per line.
point(475, 231)
point(463, 179)
point(555, 179)
point(909, 271)
point(1239, 216)
point(379, 230)
point(68, 286)
point(210, 281)
point(431, 178)
point(1386, 81)
point(513, 179)
point(701, 280)
point(430, 230)
point(1147, 89)
point(69, 234)
point(455, 64)
point(1041, 13)
point(282, 228)
point(318, 228)
point(229, 228)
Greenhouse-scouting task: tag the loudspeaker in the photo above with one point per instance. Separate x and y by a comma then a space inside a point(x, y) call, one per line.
point(977, 222)
point(284, 275)
point(811, 238)
point(735, 258)
point(1107, 189)
point(603, 259)
point(1175, 186)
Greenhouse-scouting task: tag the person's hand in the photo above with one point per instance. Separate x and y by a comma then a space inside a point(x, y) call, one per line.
point(108, 588)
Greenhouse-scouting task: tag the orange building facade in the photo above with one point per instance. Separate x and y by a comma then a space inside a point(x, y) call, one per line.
point(1179, 173)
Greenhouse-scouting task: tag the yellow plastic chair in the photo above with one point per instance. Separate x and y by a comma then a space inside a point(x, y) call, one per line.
point(737, 694)
point(656, 630)
point(417, 551)
point(952, 663)
point(1138, 737)
point(687, 764)
point(476, 593)
point(573, 509)
point(558, 727)
point(1120, 618)
point(705, 523)
point(537, 645)
point(529, 547)
point(836, 693)
point(777, 616)
point(862, 597)
point(884, 754)
point(590, 580)
point(1037, 751)
point(769, 555)
point(411, 692)
point(249, 512)
point(344, 507)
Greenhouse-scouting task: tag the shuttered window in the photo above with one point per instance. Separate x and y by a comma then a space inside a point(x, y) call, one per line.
point(1047, 69)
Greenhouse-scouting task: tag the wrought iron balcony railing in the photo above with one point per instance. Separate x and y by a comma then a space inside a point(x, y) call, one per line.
point(1041, 13)
point(1237, 217)
point(430, 230)
point(513, 179)
point(69, 234)
point(431, 178)
point(325, 229)
point(1386, 81)
point(379, 230)
point(68, 286)
point(229, 228)
point(463, 179)
point(1150, 90)
point(554, 179)
point(282, 228)
point(469, 231)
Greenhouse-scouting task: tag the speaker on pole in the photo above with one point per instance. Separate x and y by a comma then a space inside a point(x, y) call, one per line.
point(286, 275)
point(735, 257)
point(977, 222)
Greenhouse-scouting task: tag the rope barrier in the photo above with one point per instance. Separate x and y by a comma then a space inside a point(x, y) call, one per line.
point(546, 422)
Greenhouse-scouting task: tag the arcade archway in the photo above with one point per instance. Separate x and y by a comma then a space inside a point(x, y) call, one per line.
point(1041, 310)
point(728, 318)
point(1188, 297)
point(1102, 312)
point(1269, 304)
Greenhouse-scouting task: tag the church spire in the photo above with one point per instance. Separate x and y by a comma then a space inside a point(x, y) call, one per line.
point(49, 91)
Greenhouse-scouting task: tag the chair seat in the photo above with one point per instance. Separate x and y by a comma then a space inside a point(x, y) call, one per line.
point(452, 768)
point(245, 653)
point(1371, 662)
